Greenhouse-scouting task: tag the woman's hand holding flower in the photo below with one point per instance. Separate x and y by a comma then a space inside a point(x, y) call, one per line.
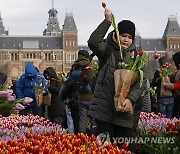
point(164, 84)
point(108, 14)
point(127, 106)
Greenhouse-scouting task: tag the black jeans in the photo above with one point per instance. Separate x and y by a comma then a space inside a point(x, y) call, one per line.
point(75, 117)
point(115, 132)
point(176, 108)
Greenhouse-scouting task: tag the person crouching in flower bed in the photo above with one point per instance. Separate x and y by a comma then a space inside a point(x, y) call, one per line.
point(56, 110)
point(116, 123)
point(25, 88)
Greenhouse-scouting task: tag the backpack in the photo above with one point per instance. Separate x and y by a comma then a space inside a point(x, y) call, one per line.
point(82, 84)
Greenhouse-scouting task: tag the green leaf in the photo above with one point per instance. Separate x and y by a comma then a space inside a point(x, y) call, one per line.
point(117, 34)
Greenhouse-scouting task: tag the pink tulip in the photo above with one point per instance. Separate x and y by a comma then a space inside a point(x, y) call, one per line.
point(27, 100)
point(132, 54)
point(10, 99)
point(156, 56)
point(19, 107)
point(6, 93)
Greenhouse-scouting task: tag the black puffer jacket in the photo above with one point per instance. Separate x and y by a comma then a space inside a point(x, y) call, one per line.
point(103, 107)
point(57, 106)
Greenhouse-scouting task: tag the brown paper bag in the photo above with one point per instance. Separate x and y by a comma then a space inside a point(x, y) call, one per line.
point(39, 98)
point(123, 79)
point(47, 99)
point(165, 92)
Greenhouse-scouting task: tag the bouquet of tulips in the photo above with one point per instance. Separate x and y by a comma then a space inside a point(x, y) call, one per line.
point(39, 91)
point(167, 70)
point(62, 78)
point(8, 102)
point(124, 78)
point(165, 74)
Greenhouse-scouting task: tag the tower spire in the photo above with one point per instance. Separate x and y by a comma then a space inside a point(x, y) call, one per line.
point(53, 28)
point(52, 3)
point(2, 28)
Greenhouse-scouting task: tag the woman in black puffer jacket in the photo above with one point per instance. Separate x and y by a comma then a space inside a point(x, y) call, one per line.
point(117, 124)
point(56, 111)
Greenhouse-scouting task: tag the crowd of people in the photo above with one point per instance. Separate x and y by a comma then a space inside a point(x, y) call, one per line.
point(79, 107)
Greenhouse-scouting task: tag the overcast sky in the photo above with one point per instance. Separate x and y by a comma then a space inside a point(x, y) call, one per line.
point(29, 17)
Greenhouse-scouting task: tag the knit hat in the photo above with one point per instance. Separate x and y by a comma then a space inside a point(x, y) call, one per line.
point(84, 53)
point(127, 26)
point(176, 59)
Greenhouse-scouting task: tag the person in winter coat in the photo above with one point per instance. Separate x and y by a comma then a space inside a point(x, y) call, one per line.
point(56, 110)
point(165, 102)
point(26, 88)
point(175, 86)
point(69, 96)
point(84, 97)
point(116, 123)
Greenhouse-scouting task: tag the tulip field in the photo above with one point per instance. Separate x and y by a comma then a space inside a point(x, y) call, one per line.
point(162, 134)
point(34, 134)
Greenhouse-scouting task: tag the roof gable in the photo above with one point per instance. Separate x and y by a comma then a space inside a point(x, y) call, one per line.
point(172, 27)
point(69, 23)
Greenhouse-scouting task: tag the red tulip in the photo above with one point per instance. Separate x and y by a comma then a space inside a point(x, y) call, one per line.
point(28, 134)
point(88, 68)
point(103, 4)
point(125, 145)
point(115, 143)
point(141, 53)
point(156, 56)
point(168, 66)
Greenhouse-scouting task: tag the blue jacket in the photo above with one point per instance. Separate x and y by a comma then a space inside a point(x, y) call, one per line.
point(27, 82)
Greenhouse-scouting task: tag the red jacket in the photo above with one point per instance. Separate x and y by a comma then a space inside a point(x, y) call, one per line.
point(176, 86)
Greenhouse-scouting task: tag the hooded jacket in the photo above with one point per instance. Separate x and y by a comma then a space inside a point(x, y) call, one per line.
point(103, 107)
point(27, 82)
point(57, 106)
